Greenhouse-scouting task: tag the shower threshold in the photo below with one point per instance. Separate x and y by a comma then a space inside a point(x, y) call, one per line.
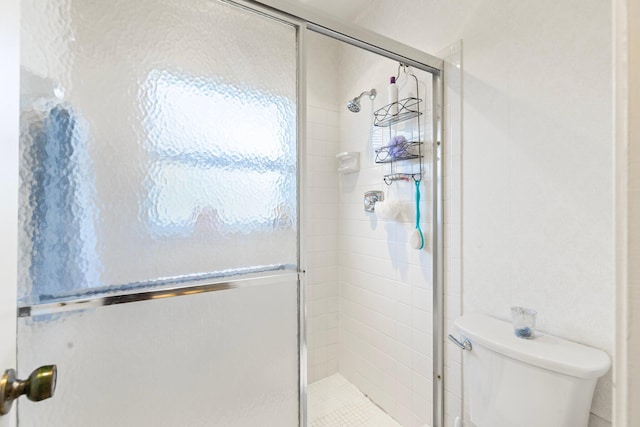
point(335, 402)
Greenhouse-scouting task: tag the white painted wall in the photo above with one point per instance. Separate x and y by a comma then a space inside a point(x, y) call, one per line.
point(537, 157)
point(9, 93)
point(452, 177)
point(634, 213)
point(627, 63)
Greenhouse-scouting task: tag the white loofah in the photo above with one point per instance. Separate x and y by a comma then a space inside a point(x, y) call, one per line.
point(388, 210)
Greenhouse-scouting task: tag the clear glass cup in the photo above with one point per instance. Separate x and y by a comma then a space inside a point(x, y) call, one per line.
point(524, 322)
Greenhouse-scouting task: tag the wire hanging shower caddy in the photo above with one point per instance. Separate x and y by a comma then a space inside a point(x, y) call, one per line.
point(399, 149)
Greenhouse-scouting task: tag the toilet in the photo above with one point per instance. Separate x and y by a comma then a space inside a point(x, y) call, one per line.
point(515, 382)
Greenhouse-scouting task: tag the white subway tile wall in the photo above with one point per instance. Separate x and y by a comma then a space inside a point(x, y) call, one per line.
point(369, 294)
point(320, 209)
point(321, 240)
point(384, 310)
point(385, 345)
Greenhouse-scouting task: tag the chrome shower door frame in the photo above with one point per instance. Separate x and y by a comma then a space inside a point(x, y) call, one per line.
point(307, 19)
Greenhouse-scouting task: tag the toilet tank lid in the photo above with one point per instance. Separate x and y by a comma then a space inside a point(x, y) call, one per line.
point(545, 351)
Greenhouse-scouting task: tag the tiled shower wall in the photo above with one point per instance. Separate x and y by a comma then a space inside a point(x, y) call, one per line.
point(385, 286)
point(383, 302)
point(322, 243)
point(320, 208)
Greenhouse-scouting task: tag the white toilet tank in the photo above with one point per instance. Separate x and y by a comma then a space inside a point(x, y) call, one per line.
point(514, 382)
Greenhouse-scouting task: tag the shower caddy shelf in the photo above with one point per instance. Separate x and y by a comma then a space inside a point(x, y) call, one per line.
point(408, 108)
point(402, 151)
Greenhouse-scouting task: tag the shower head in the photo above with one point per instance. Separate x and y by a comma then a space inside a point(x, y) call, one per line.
point(354, 104)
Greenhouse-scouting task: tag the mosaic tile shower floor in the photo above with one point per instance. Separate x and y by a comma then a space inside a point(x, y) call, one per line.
point(335, 402)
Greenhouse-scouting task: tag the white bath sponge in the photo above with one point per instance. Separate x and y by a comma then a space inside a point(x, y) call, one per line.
point(387, 210)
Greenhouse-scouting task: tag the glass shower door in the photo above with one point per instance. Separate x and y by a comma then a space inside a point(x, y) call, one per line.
point(158, 213)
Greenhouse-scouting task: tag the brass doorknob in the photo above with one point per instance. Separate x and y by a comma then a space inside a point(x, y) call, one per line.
point(40, 385)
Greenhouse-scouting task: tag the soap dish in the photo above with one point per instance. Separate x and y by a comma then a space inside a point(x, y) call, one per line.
point(348, 162)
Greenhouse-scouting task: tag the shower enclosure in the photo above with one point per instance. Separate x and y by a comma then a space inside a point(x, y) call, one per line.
point(370, 318)
point(167, 263)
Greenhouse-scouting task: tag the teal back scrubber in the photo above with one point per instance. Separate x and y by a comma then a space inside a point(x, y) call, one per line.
point(417, 238)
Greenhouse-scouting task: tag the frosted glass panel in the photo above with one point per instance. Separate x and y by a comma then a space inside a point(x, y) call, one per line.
point(223, 359)
point(158, 144)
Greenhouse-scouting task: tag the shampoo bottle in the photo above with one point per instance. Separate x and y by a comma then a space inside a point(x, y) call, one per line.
point(393, 96)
